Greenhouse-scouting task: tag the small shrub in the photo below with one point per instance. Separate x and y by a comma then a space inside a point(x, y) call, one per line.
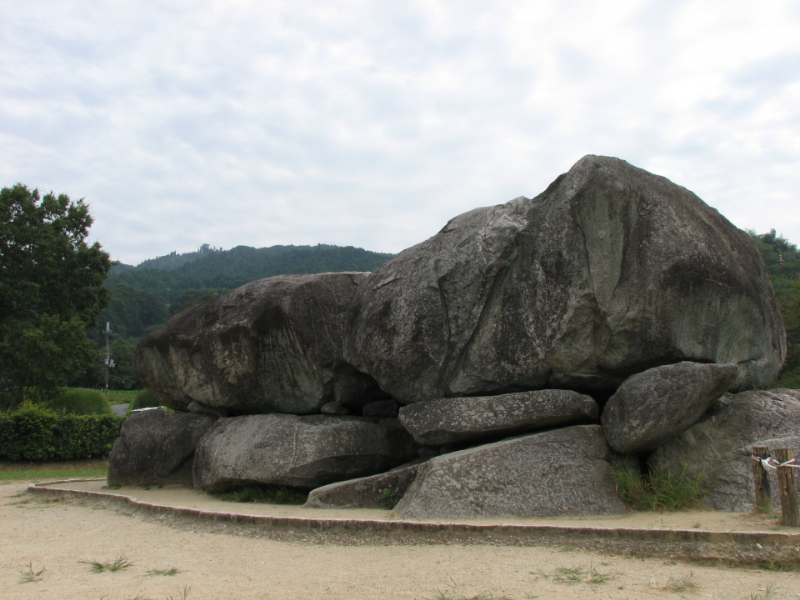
point(266, 494)
point(144, 399)
point(658, 490)
point(80, 401)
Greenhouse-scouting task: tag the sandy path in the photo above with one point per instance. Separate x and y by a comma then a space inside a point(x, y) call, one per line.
point(57, 535)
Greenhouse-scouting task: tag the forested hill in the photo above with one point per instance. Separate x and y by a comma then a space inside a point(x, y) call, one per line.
point(147, 295)
point(144, 297)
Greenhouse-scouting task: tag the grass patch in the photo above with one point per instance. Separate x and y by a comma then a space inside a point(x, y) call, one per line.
point(53, 474)
point(683, 583)
point(780, 567)
point(769, 593)
point(118, 564)
point(183, 594)
point(164, 573)
point(30, 575)
point(266, 494)
point(389, 499)
point(658, 490)
point(452, 594)
point(581, 575)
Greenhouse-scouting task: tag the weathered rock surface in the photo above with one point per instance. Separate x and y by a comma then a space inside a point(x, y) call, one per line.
point(559, 472)
point(156, 448)
point(272, 345)
point(304, 452)
point(381, 408)
point(451, 420)
point(718, 448)
point(378, 491)
point(608, 272)
point(652, 406)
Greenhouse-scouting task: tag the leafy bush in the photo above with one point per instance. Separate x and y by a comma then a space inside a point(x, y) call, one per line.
point(37, 433)
point(658, 490)
point(80, 401)
point(144, 399)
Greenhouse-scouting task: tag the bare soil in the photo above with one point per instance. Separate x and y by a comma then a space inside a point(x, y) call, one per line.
point(39, 532)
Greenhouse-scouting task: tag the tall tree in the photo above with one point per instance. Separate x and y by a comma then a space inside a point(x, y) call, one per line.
point(51, 289)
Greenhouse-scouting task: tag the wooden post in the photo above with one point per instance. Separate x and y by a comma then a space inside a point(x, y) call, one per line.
point(789, 506)
point(761, 476)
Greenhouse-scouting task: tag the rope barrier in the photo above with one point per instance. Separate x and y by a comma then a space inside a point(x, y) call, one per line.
point(770, 463)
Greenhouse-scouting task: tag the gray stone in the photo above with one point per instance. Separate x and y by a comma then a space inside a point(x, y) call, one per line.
point(156, 448)
point(608, 272)
point(378, 491)
point(718, 449)
point(451, 420)
point(303, 452)
point(652, 406)
point(559, 472)
point(333, 408)
point(272, 345)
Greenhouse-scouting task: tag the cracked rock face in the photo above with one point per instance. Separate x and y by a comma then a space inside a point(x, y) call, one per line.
point(156, 448)
point(560, 472)
point(455, 420)
point(303, 452)
point(608, 272)
point(273, 345)
point(651, 407)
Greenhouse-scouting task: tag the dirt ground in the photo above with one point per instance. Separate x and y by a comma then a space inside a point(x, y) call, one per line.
point(59, 539)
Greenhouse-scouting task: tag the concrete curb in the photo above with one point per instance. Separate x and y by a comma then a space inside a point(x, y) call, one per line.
point(732, 547)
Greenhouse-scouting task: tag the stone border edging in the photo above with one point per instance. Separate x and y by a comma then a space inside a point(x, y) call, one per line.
point(742, 547)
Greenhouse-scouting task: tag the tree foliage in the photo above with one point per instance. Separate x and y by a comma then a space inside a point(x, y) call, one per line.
point(783, 265)
point(51, 288)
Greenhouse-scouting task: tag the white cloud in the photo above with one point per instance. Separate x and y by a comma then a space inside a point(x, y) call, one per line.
point(372, 123)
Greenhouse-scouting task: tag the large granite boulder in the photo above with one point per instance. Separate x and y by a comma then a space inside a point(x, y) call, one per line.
point(652, 406)
point(303, 452)
point(559, 472)
point(453, 420)
point(273, 345)
point(608, 272)
point(383, 490)
point(156, 448)
point(718, 449)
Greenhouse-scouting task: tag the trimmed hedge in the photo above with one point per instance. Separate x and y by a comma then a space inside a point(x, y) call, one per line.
point(36, 433)
point(80, 401)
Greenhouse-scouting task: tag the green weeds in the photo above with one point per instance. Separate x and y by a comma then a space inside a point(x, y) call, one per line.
point(389, 499)
point(267, 494)
point(30, 575)
point(769, 593)
point(658, 490)
point(683, 583)
point(581, 575)
point(163, 573)
point(118, 564)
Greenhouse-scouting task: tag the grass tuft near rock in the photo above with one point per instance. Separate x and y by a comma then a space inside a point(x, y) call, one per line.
point(658, 490)
point(266, 494)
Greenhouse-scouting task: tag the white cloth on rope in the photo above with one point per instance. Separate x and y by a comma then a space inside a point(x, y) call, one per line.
point(771, 463)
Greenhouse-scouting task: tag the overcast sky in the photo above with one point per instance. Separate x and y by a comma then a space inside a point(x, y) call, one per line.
point(371, 123)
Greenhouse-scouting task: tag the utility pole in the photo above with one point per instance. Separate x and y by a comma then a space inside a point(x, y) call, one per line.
point(109, 362)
